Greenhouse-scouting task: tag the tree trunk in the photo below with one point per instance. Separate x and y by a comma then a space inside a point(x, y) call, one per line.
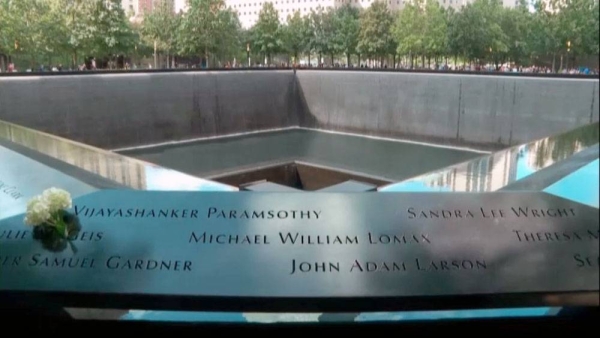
point(74, 60)
point(422, 61)
point(394, 60)
point(331, 59)
point(553, 62)
point(429, 62)
point(359, 60)
point(561, 62)
point(167, 61)
point(155, 55)
point(348, 60)
point(309, 59)
point(206, 57)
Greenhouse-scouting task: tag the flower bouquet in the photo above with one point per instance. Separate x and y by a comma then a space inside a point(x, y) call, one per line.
point(53, 225)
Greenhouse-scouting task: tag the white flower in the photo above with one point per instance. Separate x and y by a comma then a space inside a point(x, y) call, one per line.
point(57, 199)
point(44, 207)
point(38, 211)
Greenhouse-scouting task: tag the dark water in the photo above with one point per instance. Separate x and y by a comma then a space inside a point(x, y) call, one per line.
point(380, 158)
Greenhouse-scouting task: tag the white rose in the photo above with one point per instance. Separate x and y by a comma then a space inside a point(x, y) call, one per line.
point(57, 199)
point(38, 211)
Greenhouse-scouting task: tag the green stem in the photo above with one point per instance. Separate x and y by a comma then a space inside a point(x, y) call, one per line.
point(57, 221)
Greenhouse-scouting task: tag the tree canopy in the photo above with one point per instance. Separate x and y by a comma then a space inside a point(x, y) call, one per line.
point(266, 32)
point(375, 35)
point(559, 32)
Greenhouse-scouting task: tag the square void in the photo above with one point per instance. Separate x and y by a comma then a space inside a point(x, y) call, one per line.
point(301, 158)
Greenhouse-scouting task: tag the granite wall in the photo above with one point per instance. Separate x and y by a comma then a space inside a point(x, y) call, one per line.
point(125, 110)
point(456, 109)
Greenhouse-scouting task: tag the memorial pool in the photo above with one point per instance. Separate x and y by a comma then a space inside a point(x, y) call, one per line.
point(383, 159)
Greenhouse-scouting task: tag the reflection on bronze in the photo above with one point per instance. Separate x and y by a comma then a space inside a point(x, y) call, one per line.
point(126, 171)
point(495, 171)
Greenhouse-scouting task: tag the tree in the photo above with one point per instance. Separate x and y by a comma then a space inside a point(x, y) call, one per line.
point(78, 33)
point(294, 35)
point(435, 40)
point(578, 20)
point(203, 26)
point(309, 34)
point(7, 34)
point(480, 34)
point(454, 47)
point(112, 34)
point(551, 30)
point(322, 28)
point(159, 27)
point(29, 28)
point(375, 35)
point(408, 30)
point(516, 25)
point(346, 30)
point(230, 37)
point(267, 32)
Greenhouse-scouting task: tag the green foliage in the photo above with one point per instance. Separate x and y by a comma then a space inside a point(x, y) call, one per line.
point(27, 27)
point(435, 42)
point(266, 32)
point(296, 35)
point(375, 35)
point(409, 29)
point(483, 31)
point(111, 32)
point(322, 29)
point(207, 28)
point(516, 23)
point(159, 25)
point(346, 29)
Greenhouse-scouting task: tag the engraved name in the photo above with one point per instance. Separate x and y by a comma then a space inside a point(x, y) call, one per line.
point(208, 238)
point(583, 261)
point(525, 212)
point(398, 239)
point(116, 263)
point(10, 190)
point(418, 264)
point(211, 213)
point(135, 213)
point(263, 214)
point(121, 263)
point(543, 212)
point(564, 236)
point(82, 236)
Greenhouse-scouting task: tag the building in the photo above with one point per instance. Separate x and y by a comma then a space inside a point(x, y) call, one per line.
point(145, 6)
point(131, 7)
point(138, 8)
point(248, 9)
point(180, 5)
